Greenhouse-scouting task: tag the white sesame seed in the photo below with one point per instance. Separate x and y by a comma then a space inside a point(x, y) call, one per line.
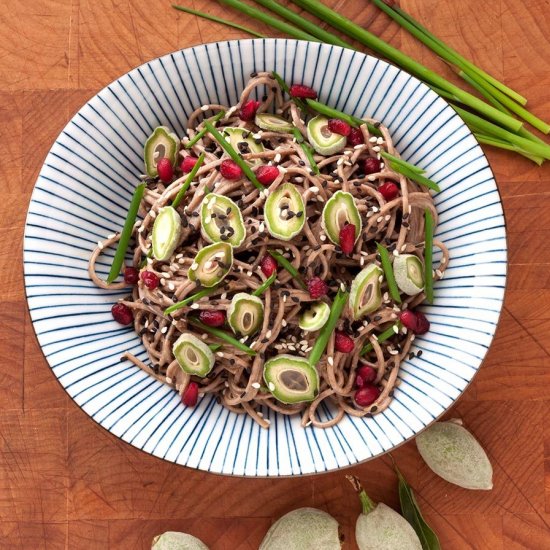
point(205, 108)
point(271, 386)
point(220, 354)
point(308, 423)
point(340, 161)
point(284, 323)
point(268, 334)
point(181, 261)
point(261, 227)
point(260, 414)
point(164, 330)
point(298, 179)
point(393, 352)
point(362, 261)
point(396, 252)
point(387, 218)
point(284, 298)
point(314, 189)
point(379, 219)
point(381, 278)
point(195, 306)
point(149, 261)
point(257, 135)
point(141, 229)
point(323, 237)
point(376, 148)
point(342, 287)
point(267, 421)
point(291, 347)
point(100, 245)
point(162, 281)
point(380, 140)
point(194, 265)
point(373, 139)
point(256, 385)
point(443, 261)
point(386, 297)
point(208, 219)
point(111, 236)
point(223, 296)
point(395, 329)
point(153, 214)
point(360, 146)
point(375, 208)
point(330, 360)
point(371, 178)
point(168, 380)
point(438, 273)
point(277, 158)
point(171, 286)
point(320, 199)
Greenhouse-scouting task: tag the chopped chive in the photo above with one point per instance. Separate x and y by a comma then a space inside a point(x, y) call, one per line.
point(335, 113)
point(284, 86)
point(402, 162)
point(266, 18)
point(382, 337)
point(233, 154)
point(428, 255)
point(126, 233)
point(400, 168)
point(324, 334)
point(307, 149)
point(187, 183)
point(288, 266)
point(200, 134)
point(265, 285)
point(214, 347)
point(219, 20)
point(190, 299)
point(222, 335)
point(388, 272)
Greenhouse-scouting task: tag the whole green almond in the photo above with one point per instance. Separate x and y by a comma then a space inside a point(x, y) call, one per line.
point(454, 454)
point(172, 540)
point(385, 529)
point(303, 529)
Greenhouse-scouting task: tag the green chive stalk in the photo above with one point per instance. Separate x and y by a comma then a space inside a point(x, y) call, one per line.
point(382, 337)
point(413, 175)
point(200, 134)
point(190, 299)
point(283, 262)
point(218, 20)
point(388, 272)
point(265, 285)
point(222, 335)
point(328, 328)
point(402, 162)
point(126, 233)
point(393, 54)
point(306, 148)
point(187, 182)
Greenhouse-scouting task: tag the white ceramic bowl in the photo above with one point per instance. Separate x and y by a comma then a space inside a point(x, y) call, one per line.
point(82, 194)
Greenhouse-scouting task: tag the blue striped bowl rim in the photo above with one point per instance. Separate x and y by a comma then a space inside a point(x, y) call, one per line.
point(81, 195)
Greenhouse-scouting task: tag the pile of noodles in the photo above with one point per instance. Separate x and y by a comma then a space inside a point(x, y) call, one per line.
point(237, 378)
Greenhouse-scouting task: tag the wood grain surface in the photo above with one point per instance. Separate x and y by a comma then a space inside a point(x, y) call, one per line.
point(67, 483)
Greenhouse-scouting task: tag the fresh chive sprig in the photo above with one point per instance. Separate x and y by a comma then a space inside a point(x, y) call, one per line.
point(190, 299)
point(199, 135)
point(222, 335)
point(388, 272)
point(187, 182)
point(265, 285)
point(283, 262)
point(382, 337)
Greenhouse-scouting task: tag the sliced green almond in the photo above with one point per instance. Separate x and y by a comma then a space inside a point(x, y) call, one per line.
point(243, 142)
point(454, 454)
point(338, 210)
point(193, 355)
point(322, 139)
point(221, 220)
point(365, 295)
point(291, 379)
point(160, 144)
point(273, 123)
point(246, 314)
point(314, 317)
point(409, 273)
point(211, 264)
point(166, 233)
point(284, 212)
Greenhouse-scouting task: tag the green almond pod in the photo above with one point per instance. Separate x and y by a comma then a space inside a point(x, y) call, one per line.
point(172, 540)
point(166, 233)
point(222, 220)
point(193, 355)
point(365, 295)
point(338, 210)
point(303, 529)
point(315, 317)
point(291, 379)
point(273, 123)
point(384, 529)
point(454, 454)
point(211, 264)
point(160, 144)
point(322, 139)
point(246, 314)
point(242, 141)
point(409, 273)
point(284, 212)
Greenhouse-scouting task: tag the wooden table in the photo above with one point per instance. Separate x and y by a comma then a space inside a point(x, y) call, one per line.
point(67, 483)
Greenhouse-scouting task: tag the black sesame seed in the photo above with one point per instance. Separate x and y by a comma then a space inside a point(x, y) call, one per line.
point(264, 98)
point(301, 163)
point(405, 224)
point(253, 75)
point(419, 353)
point(224, 237)
point(377, 124)
point(377, 318)
point(299, 214)
point(295, 299)
point(374, 409)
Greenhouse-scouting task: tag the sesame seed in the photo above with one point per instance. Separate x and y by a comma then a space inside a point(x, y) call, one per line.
point(439, 273)
point(371, 178)
point(330, 360)
point(194, 265)
point(323, 237)
point(164, 330)
point(387, 218)
point(380, 140)
point(168, 380)
point(395, 329)
point(283, 322)
point(256, 385)
point(271, 386)
point(396, 252)
point(277, 158)
point(373, 139)
point(340, 162)
point(100, 245)
point(195, 306)
point(379, 219)
point(205, 108)
point(268, 334)
point(314, 189)
point(220, 354)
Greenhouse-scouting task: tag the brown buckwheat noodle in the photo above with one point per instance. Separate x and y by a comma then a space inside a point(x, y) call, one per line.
point(236, 379)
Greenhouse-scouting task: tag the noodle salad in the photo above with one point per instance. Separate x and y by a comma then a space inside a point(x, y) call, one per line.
point(282, 250)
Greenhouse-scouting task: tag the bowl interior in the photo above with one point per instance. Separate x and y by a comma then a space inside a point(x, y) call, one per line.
point(82, 194)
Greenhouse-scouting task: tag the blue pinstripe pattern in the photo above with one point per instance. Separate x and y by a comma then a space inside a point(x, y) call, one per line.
point(82, 193)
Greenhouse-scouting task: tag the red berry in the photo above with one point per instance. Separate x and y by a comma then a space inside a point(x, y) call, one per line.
point(248, 110)
point(150, 279)
point(305, 92)
point(191, 394)
point(422, 324)
point(343, 342)
point(415, 321)
point(389, 190)
point(187, 164)
point(355, 137)
point(268, 265)
point(165, 170)
point(131, 275)
point(364, 375)
point(372, 165)
point(122, 314)
point(266, 175)
point(347, 238)
point(212, 317)
point(317, 287)
point(230, 170)
point(367, 395)
point(339, 127)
